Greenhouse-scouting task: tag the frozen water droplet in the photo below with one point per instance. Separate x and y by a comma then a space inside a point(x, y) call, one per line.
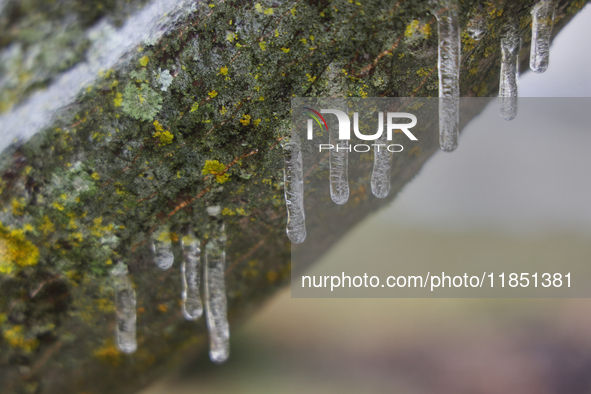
point(214, 210)
point(192, 306)
point(449, 73)
point(161, 246)
point(542, 21)
point(293, 179)
point(216, 315)
point(477, 28)
point(510, 47)
point(382, 164)
point(125, 306)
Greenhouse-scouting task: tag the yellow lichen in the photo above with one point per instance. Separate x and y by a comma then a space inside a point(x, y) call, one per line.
point(245, 121)
point(422, 72)
point(17, 206)
point(411, 28)
point(16, 250)
point(47, 226)
point(105, 305)
point(144, 61)
point(416, 30)
point(15, 336)
point(214, 167)
point(165, 137)
point(228, 212)
point(109, 354)
point(157, 126)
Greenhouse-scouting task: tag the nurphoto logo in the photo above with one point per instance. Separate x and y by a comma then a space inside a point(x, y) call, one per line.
point(344, 130)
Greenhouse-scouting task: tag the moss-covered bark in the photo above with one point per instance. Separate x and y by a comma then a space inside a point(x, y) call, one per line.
point(135, 153)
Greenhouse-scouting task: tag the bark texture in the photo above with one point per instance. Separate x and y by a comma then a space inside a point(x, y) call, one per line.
point(191, 118)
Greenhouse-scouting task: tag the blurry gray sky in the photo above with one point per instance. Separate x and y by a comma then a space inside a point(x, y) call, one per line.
point(568, 73)
point(528, 175)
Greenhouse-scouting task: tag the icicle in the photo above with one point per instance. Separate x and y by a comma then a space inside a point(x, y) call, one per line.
point(192, 306)
point(216, 315)
point(339, 162)
point(510, 47)
point(161, 246)
point(382, 164)
point(293, 179)
point(125, 306)
point(449, 73)
point(542, 20)
point(338, 159)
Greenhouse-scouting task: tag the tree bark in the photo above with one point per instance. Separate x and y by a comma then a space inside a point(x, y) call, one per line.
point(132, 154)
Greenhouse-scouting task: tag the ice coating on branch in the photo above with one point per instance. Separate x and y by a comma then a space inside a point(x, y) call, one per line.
point(109, 45)
point(510, 47)
point(125, 306)
point(216, 315)
point(161, 246)
point(192, 306)
point(449, 73)
point(542, 21)
point(293, 179)
point(382, 164)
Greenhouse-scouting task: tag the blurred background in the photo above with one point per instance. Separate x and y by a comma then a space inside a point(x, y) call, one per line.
point(511, 203)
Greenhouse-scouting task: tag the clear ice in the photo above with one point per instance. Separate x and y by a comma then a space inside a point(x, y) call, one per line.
point(542, 21)
point(293, 179)
point(449, 73)
point(192, 306)
point(338, 162)
point(382, 164)
point(125, 306)
point(216, 315)
point(161, 246)
point(510, 47)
